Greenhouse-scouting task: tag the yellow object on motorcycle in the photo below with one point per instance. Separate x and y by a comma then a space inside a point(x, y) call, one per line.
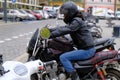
point(45, 33)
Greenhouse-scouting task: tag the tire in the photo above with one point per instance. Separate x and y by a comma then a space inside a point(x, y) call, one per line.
point(46, 77)
point(113, 74)
point(34, 77)
point(43, 77)
point(17, 19)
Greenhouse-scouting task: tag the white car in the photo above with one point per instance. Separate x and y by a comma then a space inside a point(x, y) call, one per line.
point(110, 15)
point(17, 15)
point(46, 16)
point(117, 15)
point(60, 16)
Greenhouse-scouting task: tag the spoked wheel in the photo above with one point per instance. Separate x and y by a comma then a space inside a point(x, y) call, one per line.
point(113, 74)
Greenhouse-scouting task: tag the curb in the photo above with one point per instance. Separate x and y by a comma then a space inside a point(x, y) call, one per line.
point(8, 23)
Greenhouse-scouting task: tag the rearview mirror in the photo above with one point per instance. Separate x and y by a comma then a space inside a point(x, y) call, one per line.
point(45, 33)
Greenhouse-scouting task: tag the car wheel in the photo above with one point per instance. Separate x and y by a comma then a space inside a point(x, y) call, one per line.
point(17, 19)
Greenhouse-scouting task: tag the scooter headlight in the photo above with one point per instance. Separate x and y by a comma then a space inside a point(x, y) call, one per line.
point(21, 70)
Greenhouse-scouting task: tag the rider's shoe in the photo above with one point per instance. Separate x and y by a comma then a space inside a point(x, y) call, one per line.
point(73, 76)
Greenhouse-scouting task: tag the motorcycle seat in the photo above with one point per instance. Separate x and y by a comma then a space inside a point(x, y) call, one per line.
point(103, 42)
point(98, 57)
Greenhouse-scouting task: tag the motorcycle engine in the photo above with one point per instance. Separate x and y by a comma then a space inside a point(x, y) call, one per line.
point(62, 76)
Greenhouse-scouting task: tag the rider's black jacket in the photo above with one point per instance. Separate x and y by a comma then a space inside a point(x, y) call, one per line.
point(78, 31)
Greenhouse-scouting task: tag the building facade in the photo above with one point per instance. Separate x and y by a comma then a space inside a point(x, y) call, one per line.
point(60, 2)
point(27, 4)
point(110, 4)
point(36, 4)
point(117, 5)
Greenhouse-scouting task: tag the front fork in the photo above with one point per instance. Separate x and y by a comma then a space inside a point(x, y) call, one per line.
point(101, 72)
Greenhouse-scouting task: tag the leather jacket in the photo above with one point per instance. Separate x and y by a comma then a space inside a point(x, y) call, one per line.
point(78, 31)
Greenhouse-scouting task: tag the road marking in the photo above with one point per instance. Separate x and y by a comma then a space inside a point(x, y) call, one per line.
point(2, 41)
point(15, 37)
point(21, 35)
point(30, 32)
point(26, 34)
point(8, 39)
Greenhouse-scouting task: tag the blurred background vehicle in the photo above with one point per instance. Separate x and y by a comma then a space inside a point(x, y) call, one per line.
point(60, 16)
point(46, 16)
point(1, 15)
point(16, 15)
point(103, 13)
point(29, 16)
point(39, 12)
point(38, 16)
point(117, 15)
point(43, 13)
point(52, 13)
point(13, 15)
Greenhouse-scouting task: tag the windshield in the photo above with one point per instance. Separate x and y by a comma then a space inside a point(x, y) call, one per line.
point(22, 11)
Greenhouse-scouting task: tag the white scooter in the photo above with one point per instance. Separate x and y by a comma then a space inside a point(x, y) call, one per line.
point(14, 70)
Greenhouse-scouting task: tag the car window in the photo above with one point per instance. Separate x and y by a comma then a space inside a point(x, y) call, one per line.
point(21, 11)
point(12, 11)
point(36, 11)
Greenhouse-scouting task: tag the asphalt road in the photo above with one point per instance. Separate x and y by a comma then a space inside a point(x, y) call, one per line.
point(15, 36)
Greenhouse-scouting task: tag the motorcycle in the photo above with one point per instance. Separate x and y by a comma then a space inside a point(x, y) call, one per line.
point(104, 65)
point(14, 70)
point(95, 30)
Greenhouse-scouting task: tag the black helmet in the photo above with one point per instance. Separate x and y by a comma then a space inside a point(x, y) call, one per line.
point(69, 8)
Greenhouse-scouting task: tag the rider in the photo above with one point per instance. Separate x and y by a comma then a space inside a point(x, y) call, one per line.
point(76, 27)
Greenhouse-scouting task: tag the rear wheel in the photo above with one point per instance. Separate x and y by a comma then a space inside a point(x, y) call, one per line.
point(113, 74)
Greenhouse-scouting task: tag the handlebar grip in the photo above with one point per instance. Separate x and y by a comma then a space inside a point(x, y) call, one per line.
point(49, 63)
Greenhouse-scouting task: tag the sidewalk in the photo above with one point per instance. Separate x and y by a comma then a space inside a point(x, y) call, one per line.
point(7, 23)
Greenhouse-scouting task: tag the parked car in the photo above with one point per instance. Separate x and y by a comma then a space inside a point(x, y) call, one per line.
point(1, 15)
point(60, 16)
point(15, 14)
point(43, 13)
point(38, 16)
point(39, 12)
point(52, 13)
point(117, 14)
point(29, 16)
point(46, 16)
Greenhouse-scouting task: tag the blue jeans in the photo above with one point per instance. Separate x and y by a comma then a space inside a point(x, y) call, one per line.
point(66, 58)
